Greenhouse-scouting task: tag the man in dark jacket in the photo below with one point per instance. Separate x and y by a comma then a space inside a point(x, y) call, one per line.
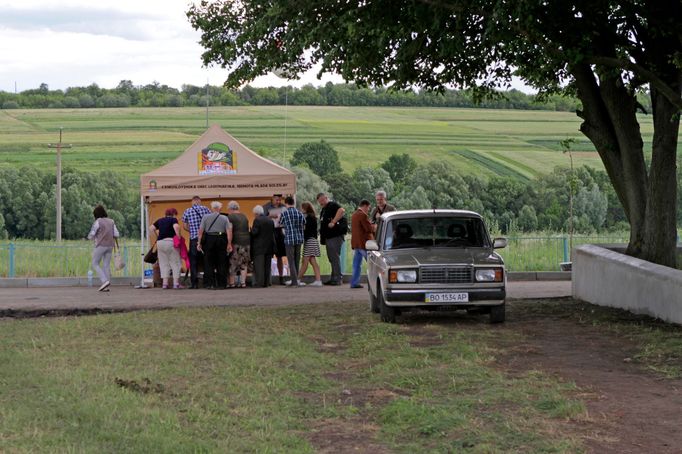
point(333, 229)
point(262, 247)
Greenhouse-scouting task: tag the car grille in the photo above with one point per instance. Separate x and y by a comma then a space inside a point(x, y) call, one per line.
point(446, 274)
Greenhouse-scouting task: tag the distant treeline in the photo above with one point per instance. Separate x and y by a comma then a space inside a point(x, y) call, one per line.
point(157, 95)
point(27, 197)
point(27, 203)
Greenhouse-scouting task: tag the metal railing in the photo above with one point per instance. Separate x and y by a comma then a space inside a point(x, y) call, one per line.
point(548, 252)
point(68, 259)
point(72, 258)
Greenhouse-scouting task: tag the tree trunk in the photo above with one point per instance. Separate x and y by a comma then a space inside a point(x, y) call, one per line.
point(660, 231)
point(648, 197)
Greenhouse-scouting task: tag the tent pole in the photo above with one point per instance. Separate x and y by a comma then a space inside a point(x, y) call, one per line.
point(142, 252)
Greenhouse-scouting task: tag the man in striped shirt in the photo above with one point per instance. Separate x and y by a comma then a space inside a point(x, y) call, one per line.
point(293, 223)
point(191, 219)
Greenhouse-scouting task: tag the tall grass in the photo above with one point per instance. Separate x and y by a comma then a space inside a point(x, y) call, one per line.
point(546, 252)
point(69, 259)
point(536, 252)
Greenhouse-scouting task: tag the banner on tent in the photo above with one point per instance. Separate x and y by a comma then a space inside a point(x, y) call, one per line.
point(217, 159)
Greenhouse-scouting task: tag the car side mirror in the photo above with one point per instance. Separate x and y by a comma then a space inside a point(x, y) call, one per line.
point(371, 245)
point(499, 243)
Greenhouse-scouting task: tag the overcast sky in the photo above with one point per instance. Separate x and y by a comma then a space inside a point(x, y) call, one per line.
point(70, 43)
point(67, 43)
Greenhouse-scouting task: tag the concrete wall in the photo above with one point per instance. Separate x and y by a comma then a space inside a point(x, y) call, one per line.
point(609, 278)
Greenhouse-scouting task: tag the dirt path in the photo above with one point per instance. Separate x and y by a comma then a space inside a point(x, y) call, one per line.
point(630, 409)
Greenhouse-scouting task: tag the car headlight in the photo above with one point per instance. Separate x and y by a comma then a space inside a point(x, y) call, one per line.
point(489, 275)
point(402, 276)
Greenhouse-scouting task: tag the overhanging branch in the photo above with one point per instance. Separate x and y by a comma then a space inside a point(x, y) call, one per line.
point(638, 70)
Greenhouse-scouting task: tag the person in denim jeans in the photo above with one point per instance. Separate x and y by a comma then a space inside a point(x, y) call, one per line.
point(361, 231)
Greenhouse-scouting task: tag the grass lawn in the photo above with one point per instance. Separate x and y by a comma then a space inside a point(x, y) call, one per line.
point(290, 379)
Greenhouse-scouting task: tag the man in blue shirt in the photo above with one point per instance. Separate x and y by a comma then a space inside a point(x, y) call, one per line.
point(191, 219)
point(293, 223)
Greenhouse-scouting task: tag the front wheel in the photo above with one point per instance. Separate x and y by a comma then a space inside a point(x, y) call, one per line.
point(497, 314)
point(387, 312)
point(373, 302)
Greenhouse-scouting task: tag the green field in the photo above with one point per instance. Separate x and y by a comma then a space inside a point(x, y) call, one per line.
point(516, 143)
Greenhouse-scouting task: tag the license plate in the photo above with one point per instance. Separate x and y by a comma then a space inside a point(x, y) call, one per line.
point(447, 297)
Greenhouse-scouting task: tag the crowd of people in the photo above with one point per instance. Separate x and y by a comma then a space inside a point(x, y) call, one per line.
point(229, 249)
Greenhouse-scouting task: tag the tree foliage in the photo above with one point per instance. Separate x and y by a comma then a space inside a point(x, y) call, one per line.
point(605, 52)
point(369, 180)
point(320, 157)
point(27, 203)
point(126, 94)
point(399, 167)
point(27, 200)
point(308, 185)
point(416, 199)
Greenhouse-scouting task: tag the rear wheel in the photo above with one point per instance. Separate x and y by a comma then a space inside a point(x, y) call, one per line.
point(497, 314)
point(373, 303)
point(387, 312)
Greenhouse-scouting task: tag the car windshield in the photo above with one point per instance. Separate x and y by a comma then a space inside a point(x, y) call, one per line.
point(435, 232)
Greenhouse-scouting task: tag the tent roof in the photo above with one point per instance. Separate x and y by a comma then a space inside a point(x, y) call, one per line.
point(250, 175)
point(250, 163)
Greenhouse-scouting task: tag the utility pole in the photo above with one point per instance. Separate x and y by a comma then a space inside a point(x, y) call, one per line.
point(206, 103)
point(59, 147)
point(286, 109)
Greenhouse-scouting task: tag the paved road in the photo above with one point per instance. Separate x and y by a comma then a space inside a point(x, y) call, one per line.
point(65, 300)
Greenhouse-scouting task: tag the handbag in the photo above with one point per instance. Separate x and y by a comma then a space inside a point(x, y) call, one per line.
point(203, 238)
point(118, 260)
point(151, 256)
point(342, 225)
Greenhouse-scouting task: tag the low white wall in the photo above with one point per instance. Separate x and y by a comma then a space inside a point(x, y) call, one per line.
point(608, 278)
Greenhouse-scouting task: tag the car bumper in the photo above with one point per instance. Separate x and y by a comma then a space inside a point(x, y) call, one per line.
point(417, 297)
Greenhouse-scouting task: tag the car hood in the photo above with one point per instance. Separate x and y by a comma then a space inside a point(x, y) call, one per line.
point(442, 256)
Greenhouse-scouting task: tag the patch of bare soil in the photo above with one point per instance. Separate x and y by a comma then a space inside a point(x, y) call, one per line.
point(354, 433)
point(345, 436)
point(630, 409)
point(421, 336)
